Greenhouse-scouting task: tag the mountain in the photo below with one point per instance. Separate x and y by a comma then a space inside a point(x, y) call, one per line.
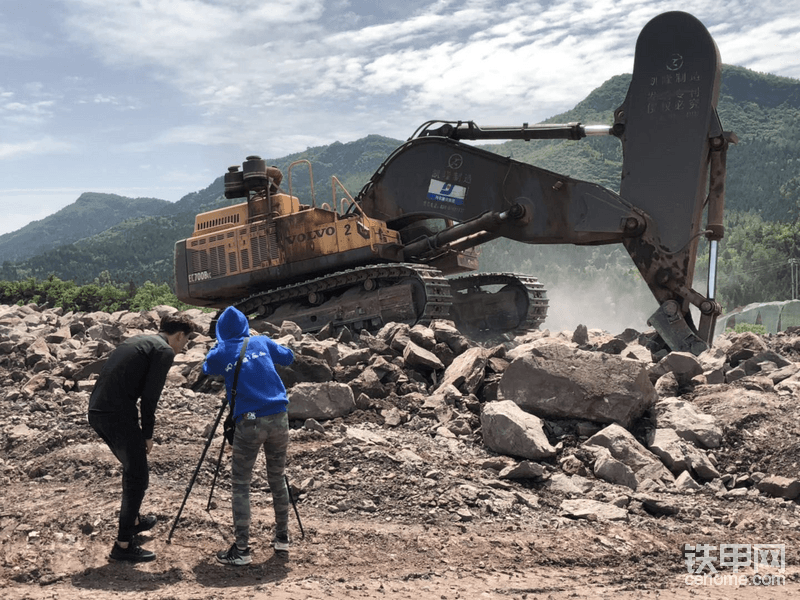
point(762, 110)
point(140, 247)
point(90, 214)
point(763, 180)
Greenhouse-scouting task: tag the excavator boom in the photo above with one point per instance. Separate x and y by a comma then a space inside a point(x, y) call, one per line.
point(672, 141)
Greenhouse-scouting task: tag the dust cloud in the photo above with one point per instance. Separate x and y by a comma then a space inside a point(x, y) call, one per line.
point(599, 304)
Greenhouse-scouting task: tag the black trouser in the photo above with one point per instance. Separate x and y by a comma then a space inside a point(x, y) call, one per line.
point(126, 441)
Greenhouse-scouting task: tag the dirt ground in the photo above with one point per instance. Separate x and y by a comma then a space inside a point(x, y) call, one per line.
point(57, 529)
point(387, 512)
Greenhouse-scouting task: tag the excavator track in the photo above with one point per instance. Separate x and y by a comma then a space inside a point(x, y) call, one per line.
point(362, 298)
point(519, 305)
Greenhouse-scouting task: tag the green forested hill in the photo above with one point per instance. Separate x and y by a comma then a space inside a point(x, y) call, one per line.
point(90, 214)
point(141, 248)
point(763, 111)
point(135, 243)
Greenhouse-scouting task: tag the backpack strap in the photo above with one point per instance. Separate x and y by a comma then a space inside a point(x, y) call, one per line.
point(236, 374)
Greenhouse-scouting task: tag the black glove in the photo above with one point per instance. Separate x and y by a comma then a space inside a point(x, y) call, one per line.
point(228, 428)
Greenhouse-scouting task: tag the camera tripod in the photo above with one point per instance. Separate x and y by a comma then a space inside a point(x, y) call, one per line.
point(216, 473)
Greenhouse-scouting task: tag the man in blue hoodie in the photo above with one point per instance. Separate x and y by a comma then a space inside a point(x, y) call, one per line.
point(261, 422)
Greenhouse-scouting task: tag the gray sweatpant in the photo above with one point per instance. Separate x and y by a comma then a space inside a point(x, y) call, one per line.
point(272, 434)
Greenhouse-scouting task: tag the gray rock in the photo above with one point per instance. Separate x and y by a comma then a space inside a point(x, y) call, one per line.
point(523, 470)
point(735, 374)
point(581, 335)
point(558, 381)
point(626, 449)
point(593, 510)
point(743, 347)
point(568, 485)
point(313, 425)
point(417, 356)
point(688, 422)
point(507, 429)
point(613, 471)
point(638, 352)
point(326, 350)
point(779, 487)
point(685, 483)
point(354, 357)
point(305, 369)
point(679, 455)
point(658, 506)
point(423, 336)
point(445, 332)
point(683, 365)
point(320, 401)
point(791, 384)
point(668, 386)
point(467, 371)
point(784, 373)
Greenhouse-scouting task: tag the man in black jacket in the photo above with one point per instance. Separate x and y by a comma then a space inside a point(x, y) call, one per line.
point(136, 369)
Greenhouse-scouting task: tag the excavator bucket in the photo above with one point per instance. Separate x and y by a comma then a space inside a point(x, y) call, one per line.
point(668, 121)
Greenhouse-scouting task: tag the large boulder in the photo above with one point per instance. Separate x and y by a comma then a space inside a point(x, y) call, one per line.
point(559, 381)
point(320, 401)
point(507, 429)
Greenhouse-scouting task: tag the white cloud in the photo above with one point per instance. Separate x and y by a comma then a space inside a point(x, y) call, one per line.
point(481, 56)
point(209, 77)
point(38, 146)
point(26, 114)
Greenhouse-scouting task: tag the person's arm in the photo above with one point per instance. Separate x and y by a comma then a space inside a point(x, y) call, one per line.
point(281, 355)
point(160, 363)
point(211, 365)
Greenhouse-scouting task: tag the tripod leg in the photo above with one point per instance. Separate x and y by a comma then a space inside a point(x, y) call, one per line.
point(216, 472)
point(197, 470)
point(294, 506)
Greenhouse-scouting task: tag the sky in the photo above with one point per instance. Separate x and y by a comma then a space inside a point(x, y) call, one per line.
point(156, 98)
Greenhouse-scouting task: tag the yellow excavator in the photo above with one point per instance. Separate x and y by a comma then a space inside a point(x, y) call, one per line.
point(400, 250)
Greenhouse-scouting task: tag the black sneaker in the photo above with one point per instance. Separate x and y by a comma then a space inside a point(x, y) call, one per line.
point(281, 542)
point(145, 524)
point(234, 556)
point(132, 553)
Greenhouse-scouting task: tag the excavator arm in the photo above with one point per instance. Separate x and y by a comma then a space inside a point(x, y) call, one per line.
point(673, 167)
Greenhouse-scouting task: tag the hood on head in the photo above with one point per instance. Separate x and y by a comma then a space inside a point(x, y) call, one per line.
point(232, 324)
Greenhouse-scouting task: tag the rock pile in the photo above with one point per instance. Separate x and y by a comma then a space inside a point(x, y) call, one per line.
point(549, 450)
point(565, 410)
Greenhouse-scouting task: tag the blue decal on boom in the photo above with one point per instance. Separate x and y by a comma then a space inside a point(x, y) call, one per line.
point(449, 193)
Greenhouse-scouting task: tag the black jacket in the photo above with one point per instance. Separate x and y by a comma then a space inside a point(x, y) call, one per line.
point(137, 368)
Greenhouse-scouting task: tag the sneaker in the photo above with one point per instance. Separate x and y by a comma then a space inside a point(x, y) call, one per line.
point(145, 523)
point(234, 556)
point(133, 553)
point(281, 542)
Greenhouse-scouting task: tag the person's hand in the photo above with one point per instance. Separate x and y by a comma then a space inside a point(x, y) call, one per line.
point(148, 445)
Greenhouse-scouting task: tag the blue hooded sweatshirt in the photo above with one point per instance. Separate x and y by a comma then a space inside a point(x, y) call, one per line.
point(259, 389)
